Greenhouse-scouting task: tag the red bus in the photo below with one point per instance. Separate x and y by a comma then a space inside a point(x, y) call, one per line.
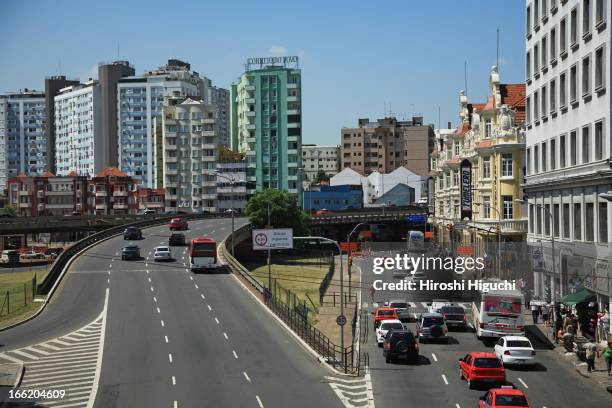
point(202, 253)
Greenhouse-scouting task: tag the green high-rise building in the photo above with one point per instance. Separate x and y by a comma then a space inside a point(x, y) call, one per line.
point(266, 122)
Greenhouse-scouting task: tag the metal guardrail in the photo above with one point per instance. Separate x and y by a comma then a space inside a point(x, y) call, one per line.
point(66, 257)
point(349, 360)
point(362, 217)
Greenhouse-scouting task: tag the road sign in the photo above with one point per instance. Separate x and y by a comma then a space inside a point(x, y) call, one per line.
point(341, 320)
point(279, 238)
point(420, 218)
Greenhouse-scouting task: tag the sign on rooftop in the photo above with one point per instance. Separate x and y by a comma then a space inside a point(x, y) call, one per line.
point(262, 61)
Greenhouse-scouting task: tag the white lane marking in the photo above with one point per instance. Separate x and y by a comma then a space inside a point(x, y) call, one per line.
point(162, 323)
point(202, 296)
point(523, 382)
point(186, 270)
point(170, 357)
point(158, 311)
point(259, 401)
point(246, 376)
point(166, 338)
point(225, 335)
point(147, 271)
point(149, 280)
point(196, 286)
point(190, 277)
point(445, 380)
point(434, 357)
point(235, 355)
point(154, 299)
point(217, 320)
point(94, 391)
point(116, 253)
point(457, 406)
point(209, 308)
point(108, 281)
point(173, 380)
point(110, 266)
point(151, 288)
point(175, 404)
point(108, 272)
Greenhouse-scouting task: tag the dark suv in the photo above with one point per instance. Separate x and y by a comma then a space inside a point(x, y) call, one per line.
point(455, 317)
point(176, 239)
point(400, 344)
point(132, 233)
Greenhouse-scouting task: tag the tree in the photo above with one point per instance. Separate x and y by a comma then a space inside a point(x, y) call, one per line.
point(284, 211)
point(12, 211)
point(321, 176)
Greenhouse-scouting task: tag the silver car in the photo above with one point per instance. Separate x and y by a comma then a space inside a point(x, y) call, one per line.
point(431, 326)
point(162, 253)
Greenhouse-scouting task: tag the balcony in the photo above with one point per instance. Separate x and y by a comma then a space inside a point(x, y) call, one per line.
point(507, 226)
point(251, 114)
point(24, 192)
point(208, 133)
point(24, 205)
point(294, 125)
point(119, 193)
point(171, 159)
point(291, 86)
point(59, 206)
point(209, 196)
point(154, 205)
point(119, 206)
point(169, 184)
point(292, 138)
point(209, 183)
point(292, 99)
point(172, 172)
point(292, 151)
point(250, 127)
point(208, 121)
point(250, 87)
point(169, 146)
point(101, 194)
point(293, 111)
point(249, 100)
point(101, 206)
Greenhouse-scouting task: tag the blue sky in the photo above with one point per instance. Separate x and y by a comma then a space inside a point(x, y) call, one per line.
point(357, 57)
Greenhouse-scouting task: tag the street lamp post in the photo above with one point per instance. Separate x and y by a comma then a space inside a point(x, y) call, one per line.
point(349, 262)
point(232, 181)
point(552, 241)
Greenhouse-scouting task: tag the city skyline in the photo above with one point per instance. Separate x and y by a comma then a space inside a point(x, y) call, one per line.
point(332, 57)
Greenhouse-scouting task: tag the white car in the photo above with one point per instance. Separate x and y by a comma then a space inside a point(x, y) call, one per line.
point(437, 304)
point(162, 253)
point(515, 350)
point(384, 327)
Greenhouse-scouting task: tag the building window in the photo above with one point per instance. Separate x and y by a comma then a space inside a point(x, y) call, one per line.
point(586, 144)
point(528, 110)
point(536, 159)
point(566, 221)
point(544, 102)
point(486, 167)
point(577, 222)
point(544, 161)
point(536, 13)
point(488, 128)
point(586, 76)
point(573, 147)
point(553, 96)
point(574, 27)
point(457, 148)
point(556, 220)
point(536, 59)
point(508, 205)
point(589, 226)
point(600, 68)
point(486, 207)
point(531, 215)
point(536, 106)
point(528, 65)
point(528, 20)
point(529, 160)
point(553, 154)
point(599, 140)
point(603, 222)
point(573, 83)
point(562, 151)
point(538, 220)
point(562, 90)
point(507, 165)
point(553, 44)
point(544, 52)
point(563, 35)
point(600, 13)
point(547, 219)
point(456, 178)
point(544, 10)
point(586, 18)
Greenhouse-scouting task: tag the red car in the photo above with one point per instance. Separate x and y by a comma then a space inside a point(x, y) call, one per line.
point(482, 368)
point(178, 224)
point(322, 211)
point(384, 313)
point(506, 397)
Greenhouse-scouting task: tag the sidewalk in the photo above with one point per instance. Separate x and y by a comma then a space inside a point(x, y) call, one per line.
point(328, 312)
point(545, 334)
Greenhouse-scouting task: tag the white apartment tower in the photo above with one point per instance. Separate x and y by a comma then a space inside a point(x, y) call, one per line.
point(78, 130)
point(317, 158)
point(189, 154)
point(569, 149)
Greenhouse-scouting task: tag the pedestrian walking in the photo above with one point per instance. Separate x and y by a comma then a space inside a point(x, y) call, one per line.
point(535, 312)
point(545, 313)
point(591, 354)
point(607, 353)
point(567, 322)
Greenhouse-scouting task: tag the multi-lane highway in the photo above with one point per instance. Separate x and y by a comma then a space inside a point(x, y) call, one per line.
point(145, 334)
point(435, 381)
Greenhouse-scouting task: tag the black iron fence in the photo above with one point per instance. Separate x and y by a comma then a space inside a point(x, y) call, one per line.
point(327, 279)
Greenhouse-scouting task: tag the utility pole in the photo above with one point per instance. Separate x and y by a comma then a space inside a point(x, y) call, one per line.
point(269, 256)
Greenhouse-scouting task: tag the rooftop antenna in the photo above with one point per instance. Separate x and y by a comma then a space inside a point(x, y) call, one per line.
point(497, 56)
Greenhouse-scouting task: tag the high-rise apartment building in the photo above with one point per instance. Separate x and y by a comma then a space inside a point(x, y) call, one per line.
point(79, 145)
point(23, 144)
point(231, 181)
point(316, 158)
point(266, 116)
point(569, 146)
point(53, 85)
point(387, 144)
point(189, 138)
point(140, 101)
point(220, 98)
point(108, 78)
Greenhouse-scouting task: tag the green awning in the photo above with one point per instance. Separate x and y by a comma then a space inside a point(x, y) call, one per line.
point(573, 298)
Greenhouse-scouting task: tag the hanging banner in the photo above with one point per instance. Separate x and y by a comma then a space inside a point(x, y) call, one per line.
point(466, 189)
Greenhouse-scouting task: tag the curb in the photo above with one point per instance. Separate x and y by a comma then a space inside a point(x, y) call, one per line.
point(20, 376)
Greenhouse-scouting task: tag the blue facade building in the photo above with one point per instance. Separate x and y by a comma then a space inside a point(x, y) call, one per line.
point(333, 198)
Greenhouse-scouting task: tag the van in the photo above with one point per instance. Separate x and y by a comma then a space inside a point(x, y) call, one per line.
point(416, 241)
point(10, 256)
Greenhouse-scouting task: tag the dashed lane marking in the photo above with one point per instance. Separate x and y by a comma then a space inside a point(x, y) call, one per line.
point(259, 401)
point(434, 357)
point(523, 382)
point(444, 379)
point(246, 376)
point(225, 335)
point(71, 362)
point(173, 380)
point(235, 355)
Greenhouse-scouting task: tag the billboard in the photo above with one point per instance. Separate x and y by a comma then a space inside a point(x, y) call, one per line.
point(465, 171)
point(280, 238)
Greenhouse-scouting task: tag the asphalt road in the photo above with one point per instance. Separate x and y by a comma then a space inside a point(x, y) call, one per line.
point(435, 381)
point(175, 339)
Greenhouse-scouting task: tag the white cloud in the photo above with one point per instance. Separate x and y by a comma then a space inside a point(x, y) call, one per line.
point(277, 50)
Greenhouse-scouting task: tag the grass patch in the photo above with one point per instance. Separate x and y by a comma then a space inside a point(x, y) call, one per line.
point(16, 295)
point(301, 276)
